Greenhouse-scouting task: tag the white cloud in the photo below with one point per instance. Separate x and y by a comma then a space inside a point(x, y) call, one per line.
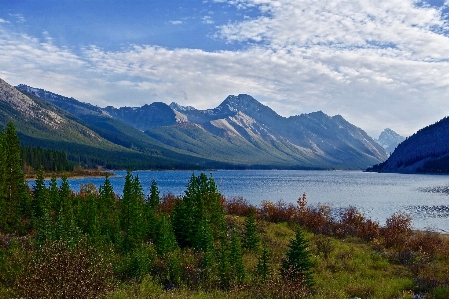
point(20, 18)
point(176, 22)
point(378, 64)
point(208, 20)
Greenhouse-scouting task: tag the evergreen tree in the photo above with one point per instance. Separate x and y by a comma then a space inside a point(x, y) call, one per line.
point(107, 210)
point(224, 264)
point(200, 202)
point(263, 264)
point(165, 238)
point(137, 223)
point(54, 198)
point(15, 194)
point(236, 257)
point(251, 235)
point(65, 226)
point(40, 197)
point(296, 264)
point(153, 198)
point(125, 201)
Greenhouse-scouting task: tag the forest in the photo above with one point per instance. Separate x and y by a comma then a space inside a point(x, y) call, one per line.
point(55, 243)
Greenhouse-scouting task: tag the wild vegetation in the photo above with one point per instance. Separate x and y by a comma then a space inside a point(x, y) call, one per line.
point(55, 243)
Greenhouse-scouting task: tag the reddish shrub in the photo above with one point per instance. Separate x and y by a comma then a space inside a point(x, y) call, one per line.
point(237, 206)
point(397, 230)
point(168, 202)
point(278, 212)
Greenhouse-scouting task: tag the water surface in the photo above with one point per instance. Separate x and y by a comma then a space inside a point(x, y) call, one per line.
point(377, 195)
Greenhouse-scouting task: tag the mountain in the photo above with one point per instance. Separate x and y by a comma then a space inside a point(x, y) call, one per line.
point(389, 140)
point(240, 133)
point(425, 151)
point(145, 117)
point(245, 132)
point(120, 133)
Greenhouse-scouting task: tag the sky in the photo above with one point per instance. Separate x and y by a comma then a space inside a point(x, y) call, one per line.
point(377, 63)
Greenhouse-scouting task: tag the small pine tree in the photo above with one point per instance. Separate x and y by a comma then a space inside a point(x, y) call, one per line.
point(236, 257)
point(296, 264)
point(251, 235)
point(53, 196)
point(153, 198)
point(165, 238)
point(40, 197)
point(263, 264)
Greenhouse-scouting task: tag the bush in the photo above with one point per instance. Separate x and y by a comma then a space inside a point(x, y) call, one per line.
point(58, 270)
point(397, 230)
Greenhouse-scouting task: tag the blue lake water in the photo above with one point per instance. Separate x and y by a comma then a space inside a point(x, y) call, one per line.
point(376, 195)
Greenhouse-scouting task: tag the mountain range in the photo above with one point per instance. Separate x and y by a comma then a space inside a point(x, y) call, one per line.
point(240, 133)
point(425, 151)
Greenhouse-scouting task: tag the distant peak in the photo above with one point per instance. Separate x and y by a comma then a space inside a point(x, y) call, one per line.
point(179, 108)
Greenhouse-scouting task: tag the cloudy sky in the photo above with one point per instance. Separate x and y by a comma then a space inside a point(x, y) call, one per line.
point(377, 63)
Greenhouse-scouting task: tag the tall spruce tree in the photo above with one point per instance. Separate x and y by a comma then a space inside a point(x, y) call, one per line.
point(15, 193)
point(107, 209)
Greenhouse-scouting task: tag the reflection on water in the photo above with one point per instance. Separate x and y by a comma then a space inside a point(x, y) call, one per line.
point(376, 195)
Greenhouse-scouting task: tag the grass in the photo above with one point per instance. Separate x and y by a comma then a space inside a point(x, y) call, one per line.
point(353, 268)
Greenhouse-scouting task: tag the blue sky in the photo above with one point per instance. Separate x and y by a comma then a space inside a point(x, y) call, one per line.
point(378, 64)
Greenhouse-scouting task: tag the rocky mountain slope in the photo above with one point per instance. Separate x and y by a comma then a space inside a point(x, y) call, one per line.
point(389, 140)
point(425, 151)
point(243, 130)
point(240, 132)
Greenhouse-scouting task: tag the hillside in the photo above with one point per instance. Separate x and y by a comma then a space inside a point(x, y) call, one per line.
point(240, 133)
point(40, 123)
point(425, 151)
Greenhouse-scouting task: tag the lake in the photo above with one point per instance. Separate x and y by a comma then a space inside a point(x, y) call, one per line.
point(376, 195)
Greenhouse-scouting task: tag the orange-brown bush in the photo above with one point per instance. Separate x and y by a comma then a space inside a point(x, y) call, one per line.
point(59, 270)
point(278, 212)
point(317, 219)
point(427, 242)
point(237, 206)
point(397, 230)
point(168, 202)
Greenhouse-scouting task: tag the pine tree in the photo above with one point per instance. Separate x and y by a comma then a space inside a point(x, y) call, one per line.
point(125, 201)
point(236, 257)
point(296, 264)
point(153, 198)
point(107, 209)
point(40, 197)
point(137, 223)
point(165, 238)
point(201, 201)
point(224, 264)
point(54, 198)
point(263, 264)
point(15, 193)
point(251, 235)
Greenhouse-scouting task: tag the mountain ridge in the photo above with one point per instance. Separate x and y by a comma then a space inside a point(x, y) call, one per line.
point(427, 150)
point(240, 132)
